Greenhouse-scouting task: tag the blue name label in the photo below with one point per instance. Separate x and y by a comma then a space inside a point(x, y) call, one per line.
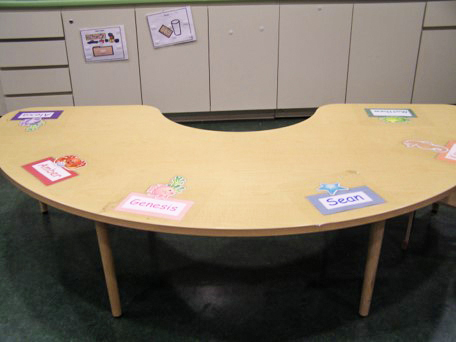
point(354, 198)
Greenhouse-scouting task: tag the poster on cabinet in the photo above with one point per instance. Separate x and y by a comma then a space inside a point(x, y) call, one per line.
point(171, 27)
point(104, 44)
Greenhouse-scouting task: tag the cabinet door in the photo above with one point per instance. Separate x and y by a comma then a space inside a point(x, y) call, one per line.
point(384, 51)
point(436, 71)
point(175, 78)
point(313, 54)
point(102, 83)
point(243, 48)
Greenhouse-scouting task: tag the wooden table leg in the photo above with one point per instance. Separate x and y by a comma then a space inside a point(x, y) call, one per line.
point(373, 254)
point(108, 268)
point(43, 208)
point(411, 218)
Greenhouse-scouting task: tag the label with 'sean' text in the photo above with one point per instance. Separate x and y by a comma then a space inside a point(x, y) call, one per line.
point(354, 198)
point(149, 206)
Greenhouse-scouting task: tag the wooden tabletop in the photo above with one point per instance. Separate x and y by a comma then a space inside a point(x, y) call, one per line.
point(239, 183)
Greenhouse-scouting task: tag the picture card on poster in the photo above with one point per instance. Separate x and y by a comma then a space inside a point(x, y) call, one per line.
point(104, 44)
point(171, 27)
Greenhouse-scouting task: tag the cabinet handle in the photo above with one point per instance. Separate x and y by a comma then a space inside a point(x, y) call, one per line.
point(261, 28)
point(230, 32)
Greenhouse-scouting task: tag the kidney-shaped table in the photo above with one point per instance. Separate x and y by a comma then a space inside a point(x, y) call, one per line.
point(130, 166)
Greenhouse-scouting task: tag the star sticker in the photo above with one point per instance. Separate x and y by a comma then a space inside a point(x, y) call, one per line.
point(332, 188)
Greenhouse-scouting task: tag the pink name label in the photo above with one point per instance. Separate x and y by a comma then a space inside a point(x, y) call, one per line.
point(149, 206)
point(48, 172)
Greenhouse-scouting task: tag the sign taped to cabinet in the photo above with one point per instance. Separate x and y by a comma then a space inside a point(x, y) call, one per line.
point(104, 44)
point(170, 27)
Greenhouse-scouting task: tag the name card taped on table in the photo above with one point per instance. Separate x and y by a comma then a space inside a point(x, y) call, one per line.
point(149, 206)
point(354, 198)
point(387, 112)
point(49, 114)
point(48, 172)
point(450, 155)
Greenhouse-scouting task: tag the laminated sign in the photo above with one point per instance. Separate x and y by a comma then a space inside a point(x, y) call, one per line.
point(171, 27)
point(104, 44)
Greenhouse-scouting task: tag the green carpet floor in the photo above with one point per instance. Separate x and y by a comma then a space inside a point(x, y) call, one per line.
point(182, 288)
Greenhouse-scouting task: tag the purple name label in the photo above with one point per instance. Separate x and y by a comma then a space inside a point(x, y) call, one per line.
point(42, 114)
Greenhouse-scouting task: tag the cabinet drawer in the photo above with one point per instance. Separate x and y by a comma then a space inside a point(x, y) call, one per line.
point(13, 103)
point(30, 24)
point(35, 81)
point(435, 80)
point(44, 53)
point(440, 13)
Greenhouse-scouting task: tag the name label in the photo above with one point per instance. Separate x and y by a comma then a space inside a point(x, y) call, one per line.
point(388, 112)
point(149, 206)
point(354, 198)
point(48, 172)
point(51, 114)
point(450, 155)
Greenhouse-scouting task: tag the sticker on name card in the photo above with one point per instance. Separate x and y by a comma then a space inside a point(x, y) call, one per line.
point(354, 198)
point(449, 155)
point(141, 204)
point(48, 172)
point(31, 125)
point(425, 145)
point(70, 162)
point(390, 112)
point(394, 119)
point(41, 114)
point(175, 186)
point(332, 188)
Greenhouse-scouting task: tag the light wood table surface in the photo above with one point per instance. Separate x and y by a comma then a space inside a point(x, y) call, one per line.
point(240, 183)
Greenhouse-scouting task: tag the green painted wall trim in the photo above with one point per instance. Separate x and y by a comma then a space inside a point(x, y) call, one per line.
point(84, 3)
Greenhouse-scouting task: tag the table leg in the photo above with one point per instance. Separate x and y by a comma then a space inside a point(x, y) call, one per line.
point(43, 207)
point(373, 254)
point(108, 268)
point(411, 218)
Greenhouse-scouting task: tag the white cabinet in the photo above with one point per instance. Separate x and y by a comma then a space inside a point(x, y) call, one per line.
point(440, 14)
point(17, 24)
point(35, 81)
point(175, 78)
point(33, 53)
point(33, 60)
point(102, 83)
point(313, 54)
point(384, 49)
point(243, 50)
point(436, 70)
